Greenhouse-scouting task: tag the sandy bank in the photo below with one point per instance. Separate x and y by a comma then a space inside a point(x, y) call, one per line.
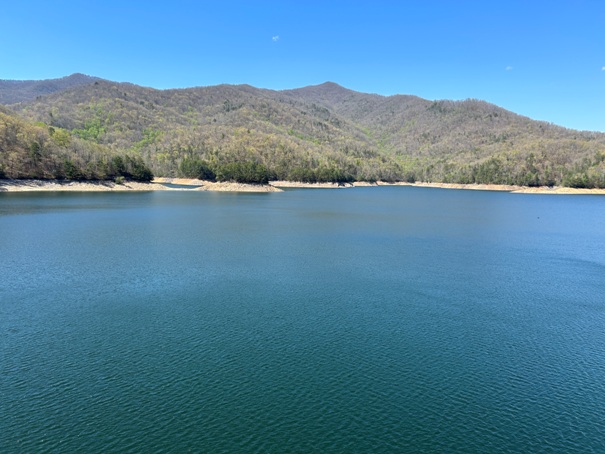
point(507, 188)
point(73, 186)
point(159, 184)
point(474, 187)
point(298, 184)
point(215, 186)
point(156, 185)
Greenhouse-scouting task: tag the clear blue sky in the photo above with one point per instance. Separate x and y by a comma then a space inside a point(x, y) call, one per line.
point(542, 59)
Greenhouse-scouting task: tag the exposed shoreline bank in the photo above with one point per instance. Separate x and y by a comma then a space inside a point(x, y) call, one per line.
point(508, 188)
point(473, 187)
point(163, 184)
point(159, 184)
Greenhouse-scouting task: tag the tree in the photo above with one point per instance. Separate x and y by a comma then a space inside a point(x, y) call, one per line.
point(196, 168)
point(243, 172)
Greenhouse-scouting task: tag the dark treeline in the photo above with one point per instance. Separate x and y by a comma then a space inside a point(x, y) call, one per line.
point(314, 134)
point(254, 172)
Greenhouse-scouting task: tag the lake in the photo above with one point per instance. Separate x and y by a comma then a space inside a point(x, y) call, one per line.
point(390, 319)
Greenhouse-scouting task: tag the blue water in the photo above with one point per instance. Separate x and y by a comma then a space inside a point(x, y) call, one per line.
point(361, 320)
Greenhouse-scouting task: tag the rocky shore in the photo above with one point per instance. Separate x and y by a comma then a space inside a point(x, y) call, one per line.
point(186, 184)
point(160, 184)
point(508, 188)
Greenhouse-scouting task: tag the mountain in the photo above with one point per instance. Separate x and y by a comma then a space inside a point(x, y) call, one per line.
point(320, 133)
point(13, 91)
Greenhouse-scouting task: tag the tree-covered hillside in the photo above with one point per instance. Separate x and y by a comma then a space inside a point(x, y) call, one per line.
point(318, 133)
point(468, 141)
point(30, 150)
point(217, 126)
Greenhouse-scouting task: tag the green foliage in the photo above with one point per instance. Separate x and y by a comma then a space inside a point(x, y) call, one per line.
point(138, 170)
point(322, 174)
point(150, 136)
point(302, 174)
point(39, 151)
point(60, 136)
point(334, 175)
point(585, 180)
point(71, 171)
point(34, 150)
point(93, 130)
point(243, 172)
point(117, 166)
point(130, 167)
point(192, 167)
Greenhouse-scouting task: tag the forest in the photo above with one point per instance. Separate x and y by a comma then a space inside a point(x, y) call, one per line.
point(88, 128)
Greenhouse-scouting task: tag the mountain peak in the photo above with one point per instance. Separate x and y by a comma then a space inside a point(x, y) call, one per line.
point(331, 85)
point(327, 91)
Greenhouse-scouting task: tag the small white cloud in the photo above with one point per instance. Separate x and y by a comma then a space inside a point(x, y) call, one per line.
point(509, 68)
point(275, 38)
point(603, 68)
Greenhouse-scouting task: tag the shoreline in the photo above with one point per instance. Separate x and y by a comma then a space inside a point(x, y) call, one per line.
point(159, 184)
point(555, 190)
point(460, 186)
point(216, 186)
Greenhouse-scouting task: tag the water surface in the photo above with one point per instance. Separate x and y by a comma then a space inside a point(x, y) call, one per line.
point(360, 320)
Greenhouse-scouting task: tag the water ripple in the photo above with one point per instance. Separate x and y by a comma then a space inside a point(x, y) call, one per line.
point(388, 325)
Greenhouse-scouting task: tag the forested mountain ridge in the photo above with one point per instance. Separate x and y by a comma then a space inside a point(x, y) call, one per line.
point(497, 146)
point(13, 91)
point(320, 133)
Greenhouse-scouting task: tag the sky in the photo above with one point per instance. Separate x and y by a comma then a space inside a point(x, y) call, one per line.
point(541, 59)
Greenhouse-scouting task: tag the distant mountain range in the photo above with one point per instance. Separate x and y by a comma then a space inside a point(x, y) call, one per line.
point(13, 91)
point(317, 133)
